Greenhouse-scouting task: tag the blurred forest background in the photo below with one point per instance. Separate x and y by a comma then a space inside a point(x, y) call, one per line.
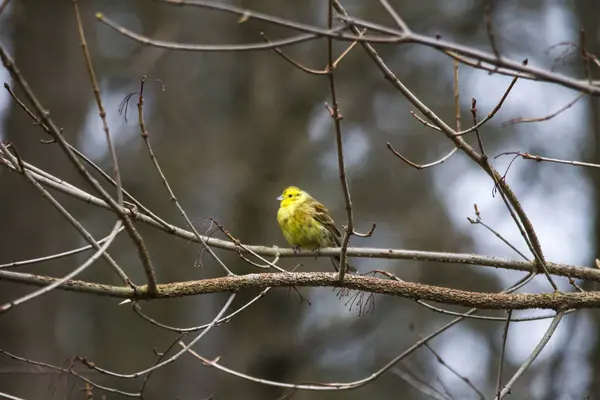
point(231, 130)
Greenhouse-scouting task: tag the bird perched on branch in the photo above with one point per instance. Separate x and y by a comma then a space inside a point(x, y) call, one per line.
point(306, 223)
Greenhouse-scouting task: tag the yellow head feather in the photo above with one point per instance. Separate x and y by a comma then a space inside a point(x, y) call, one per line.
point(292, 195)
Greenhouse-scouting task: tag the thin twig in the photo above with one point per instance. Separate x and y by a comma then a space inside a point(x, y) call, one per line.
point(2, 394)
point(163, 179)
point(394, 36)
point(268, 264)
point(71, 372)
point(19, 166)
point(335, 386)
point(544, 118)
point(538, 349)
point(171, 359)
point(136, 238)
point(79, 154)
point(457, 114)
point(489, 29)
point(478, 221)
point(56, 256)
point(585, 56)
point(466, 380)
point(59, 282)
point(529, 277)
point(527, 156)
point(502, 351)
point(59, 138)
point(337, 118)
point(99, 104)
point(395, 16)
point(294, 62)
point(421, 166)
point(418, 385)
point(426, 123)
point(160, 358)
point(458, 142)
point(222, 47)
point(494, 111)
point(138, 311)
point(477, 135)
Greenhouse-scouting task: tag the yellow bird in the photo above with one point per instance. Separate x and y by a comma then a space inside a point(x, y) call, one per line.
point(306, 223)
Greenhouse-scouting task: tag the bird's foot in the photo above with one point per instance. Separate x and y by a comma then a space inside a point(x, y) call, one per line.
point(296, 249)
point(316, 251)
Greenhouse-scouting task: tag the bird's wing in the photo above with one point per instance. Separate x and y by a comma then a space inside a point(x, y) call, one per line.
point(322, 216)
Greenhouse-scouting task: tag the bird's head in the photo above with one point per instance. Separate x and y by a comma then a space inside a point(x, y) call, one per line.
point(292, 195)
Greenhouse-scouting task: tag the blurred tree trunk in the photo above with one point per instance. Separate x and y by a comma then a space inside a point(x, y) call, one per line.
point(45, 48)
point(589, 18)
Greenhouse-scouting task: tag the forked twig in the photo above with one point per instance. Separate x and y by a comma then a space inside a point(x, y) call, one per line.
point(536, 352)
point(421, 166)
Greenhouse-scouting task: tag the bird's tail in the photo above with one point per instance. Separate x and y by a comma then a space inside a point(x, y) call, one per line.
point(335, 260)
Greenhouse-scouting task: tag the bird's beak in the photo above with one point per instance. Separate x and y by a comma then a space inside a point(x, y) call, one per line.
point(280, 198)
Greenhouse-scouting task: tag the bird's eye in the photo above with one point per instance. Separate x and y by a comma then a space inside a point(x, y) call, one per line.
point(290, 195)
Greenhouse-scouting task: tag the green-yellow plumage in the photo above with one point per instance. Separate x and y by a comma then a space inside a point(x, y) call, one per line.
point(306, 223)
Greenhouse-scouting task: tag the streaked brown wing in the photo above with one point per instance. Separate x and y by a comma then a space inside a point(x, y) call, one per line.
point(322, 216)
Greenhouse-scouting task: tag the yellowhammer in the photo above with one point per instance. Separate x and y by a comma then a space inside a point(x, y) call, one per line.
point(306, 223)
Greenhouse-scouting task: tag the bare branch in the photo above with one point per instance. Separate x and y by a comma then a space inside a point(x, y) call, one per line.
point(454, 372)
point(60, 282)
point(163, 179)
point(396, 17)
point(421, 166)
point(412, 290)
point(544, 118)
point(19, 166)
point(394, 37)
point(536, 352)
point(481, 160)
point(138, 310)
point(420, 386)
point(21, 263)
point(527, 156)
point(337, 122)
point(501, 362)
point(59, 138)
point(171, 359)
point(136, 238)
point(489, 29)
point(69, 371)
point(491, 115)
point(586, 273)
point(217, 48)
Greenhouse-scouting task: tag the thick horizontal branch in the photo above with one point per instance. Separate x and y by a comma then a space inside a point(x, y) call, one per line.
point(578, 272)
point(415, 291)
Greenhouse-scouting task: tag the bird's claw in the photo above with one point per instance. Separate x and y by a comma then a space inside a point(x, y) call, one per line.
point(296, 249)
